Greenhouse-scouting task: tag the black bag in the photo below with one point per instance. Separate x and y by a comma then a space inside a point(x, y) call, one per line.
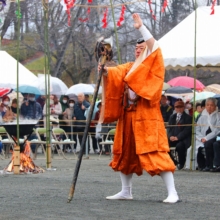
point(201, 158)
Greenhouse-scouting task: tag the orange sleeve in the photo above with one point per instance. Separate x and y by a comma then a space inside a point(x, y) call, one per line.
point(112, 94)
point(147, 79)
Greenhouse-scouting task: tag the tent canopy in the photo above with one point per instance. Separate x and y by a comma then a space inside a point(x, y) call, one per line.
point(8, 72)
point(178, 45)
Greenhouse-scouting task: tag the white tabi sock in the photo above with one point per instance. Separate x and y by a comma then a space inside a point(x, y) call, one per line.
point(126, 192)
point(169, 182)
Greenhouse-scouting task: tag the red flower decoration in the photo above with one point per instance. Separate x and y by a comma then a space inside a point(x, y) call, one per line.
point(213, 7)
point(165, 3)
point(151, 11)
point(121, 18)
point(104, 20)
point(69, 5)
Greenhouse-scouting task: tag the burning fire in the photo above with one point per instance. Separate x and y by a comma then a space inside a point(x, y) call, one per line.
point(26, 162)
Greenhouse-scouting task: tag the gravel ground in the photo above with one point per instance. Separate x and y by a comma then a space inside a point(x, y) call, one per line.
point(44, 196)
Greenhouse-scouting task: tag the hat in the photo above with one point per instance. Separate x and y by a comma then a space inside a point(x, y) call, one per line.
point(5, 97)
point(179, 104)
point(140, 40)
point(71, 99)
point(98, 104)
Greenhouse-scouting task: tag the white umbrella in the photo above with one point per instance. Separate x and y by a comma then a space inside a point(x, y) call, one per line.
point(57, 86)
point(81, 88)
point(203, 95)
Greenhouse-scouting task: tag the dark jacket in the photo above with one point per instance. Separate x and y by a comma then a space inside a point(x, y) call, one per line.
point(80, 114)
point(183, 133)
point(32, 111)
point(166, 112)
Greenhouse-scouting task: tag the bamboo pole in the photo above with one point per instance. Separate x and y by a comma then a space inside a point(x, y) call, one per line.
point(47, 84)
point(17, 147)
point(192, 161)
point(116, 33)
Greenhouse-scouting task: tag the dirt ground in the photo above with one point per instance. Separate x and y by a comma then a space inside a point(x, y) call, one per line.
point(44, 196)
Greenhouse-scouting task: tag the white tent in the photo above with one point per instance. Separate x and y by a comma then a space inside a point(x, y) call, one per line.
point(8, 72)
point(178, 44)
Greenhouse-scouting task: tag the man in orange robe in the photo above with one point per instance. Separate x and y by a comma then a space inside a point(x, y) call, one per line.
point(131, 95)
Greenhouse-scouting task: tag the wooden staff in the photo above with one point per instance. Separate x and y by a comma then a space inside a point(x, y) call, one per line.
point(103, 53)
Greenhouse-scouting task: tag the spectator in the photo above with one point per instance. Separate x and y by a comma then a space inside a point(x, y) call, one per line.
point(104, 129)
point(30, 109)
point(166, 110)
point(202, 108)
point(5, 109)
point(189, 108)
point(64, 101)
point(41, 100)
point(198, 110)
point(79, 115)
point(55, 111)
point(180, 136)
point(206, 132)
point(14, 106)
point(68, 115)
point(87, 98)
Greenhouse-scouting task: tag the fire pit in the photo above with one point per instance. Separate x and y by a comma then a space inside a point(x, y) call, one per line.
point(25, 129)
point(21, 160)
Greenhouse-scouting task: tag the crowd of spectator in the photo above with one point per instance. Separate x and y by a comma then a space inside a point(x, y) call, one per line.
point(66, 113)
point(70, 115)
point(179, 119)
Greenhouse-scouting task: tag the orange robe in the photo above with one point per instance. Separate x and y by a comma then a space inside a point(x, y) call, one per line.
point(140, 140)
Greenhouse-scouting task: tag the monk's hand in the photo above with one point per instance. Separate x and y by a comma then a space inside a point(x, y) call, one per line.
point(137, 20)
point(105, 69)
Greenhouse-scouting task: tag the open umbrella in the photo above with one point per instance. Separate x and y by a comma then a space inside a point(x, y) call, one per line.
point(213, 88)
point(5, 91)
point(165, 86)
point(178, 91)
point(80, 88)
point(29, 89)
point(57, 86)
point(203, 95)
point(186, 81)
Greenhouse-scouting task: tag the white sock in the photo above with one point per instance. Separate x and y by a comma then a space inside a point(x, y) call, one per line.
point(169, 182)
point(126, 183)
point(126, 191)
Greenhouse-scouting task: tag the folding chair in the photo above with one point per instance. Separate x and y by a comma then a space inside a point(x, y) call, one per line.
point(38, 142)
point(57, 132)
point(42, 131)
point(7, 142)
point(173, 155)
point(108, 140)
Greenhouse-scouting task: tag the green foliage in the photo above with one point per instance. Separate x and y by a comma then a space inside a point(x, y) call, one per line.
point(24, 52)
point(36, 66)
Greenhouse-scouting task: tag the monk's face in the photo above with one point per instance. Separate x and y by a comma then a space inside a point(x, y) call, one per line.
point(139, 48)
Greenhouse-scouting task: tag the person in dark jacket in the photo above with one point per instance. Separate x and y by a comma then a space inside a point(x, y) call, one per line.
point(166, 110)
point(31, 109)
point(79, 115)
point(180, 136)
